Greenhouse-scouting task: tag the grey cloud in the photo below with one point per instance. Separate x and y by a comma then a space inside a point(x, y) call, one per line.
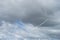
point(30, 11)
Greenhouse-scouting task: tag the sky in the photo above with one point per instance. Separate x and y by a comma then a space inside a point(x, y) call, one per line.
point(41, 18)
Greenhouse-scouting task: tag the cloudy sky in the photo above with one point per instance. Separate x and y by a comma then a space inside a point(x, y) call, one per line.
point(37, 19)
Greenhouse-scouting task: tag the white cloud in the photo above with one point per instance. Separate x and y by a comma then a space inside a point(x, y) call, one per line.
point(12, 31)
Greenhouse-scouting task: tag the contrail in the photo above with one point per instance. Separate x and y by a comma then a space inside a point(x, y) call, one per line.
point(43, 22)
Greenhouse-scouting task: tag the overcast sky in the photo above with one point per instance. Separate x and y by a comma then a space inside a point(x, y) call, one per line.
point(40, 16)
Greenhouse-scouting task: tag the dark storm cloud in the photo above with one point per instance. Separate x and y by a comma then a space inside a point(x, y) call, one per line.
point(29, 11)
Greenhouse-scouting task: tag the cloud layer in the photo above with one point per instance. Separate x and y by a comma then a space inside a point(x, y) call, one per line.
point(30, 11)
point(41, 18)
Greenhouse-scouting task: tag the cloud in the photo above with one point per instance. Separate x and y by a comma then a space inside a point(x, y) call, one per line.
point(30, 11)
point(13, 32)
